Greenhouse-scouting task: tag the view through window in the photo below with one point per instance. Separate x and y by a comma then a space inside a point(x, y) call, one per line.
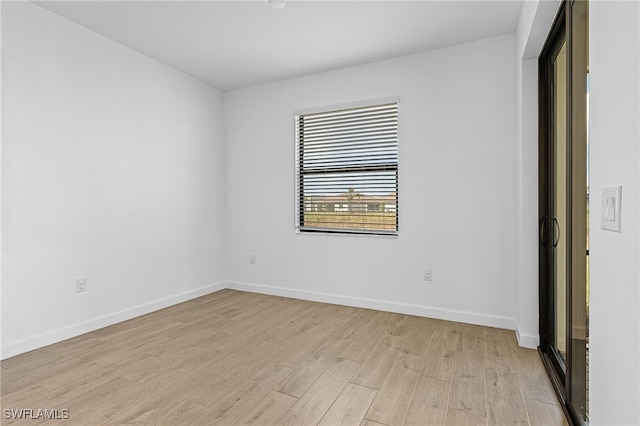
point(347, 170)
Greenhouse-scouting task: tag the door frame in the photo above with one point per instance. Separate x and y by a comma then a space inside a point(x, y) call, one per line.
point(557, 37)
point(561, 31)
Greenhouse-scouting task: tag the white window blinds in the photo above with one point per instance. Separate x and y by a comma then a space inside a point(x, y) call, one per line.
point(347, 170)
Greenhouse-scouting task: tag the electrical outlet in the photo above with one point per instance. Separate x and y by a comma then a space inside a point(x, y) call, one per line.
point(427, 275)
point(81, 285)
point(252, 259)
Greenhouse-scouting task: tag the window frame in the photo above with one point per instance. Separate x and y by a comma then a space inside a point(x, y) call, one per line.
point(299, 213)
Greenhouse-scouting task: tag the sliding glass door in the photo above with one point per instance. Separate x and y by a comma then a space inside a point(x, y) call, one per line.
point(563, 168)
point(554, 205)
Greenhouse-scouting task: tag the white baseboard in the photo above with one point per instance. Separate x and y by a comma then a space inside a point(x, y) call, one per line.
point(527, 340)
point(380, 305)
point(60, 334)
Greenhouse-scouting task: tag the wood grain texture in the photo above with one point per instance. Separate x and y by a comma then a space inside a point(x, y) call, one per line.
point(429, 403)
point(543, 414)
point(395, 394)
point(440, 359)
point(312, 406)
point(462, 418)
point(268, 410)
point(468, 395)
point(234, 358)
point(498, 354)
point(505, 403)
point(367, 422)
point(350, 407)
point(376, 367)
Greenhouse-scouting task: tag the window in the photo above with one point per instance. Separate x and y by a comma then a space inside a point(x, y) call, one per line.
point(347, 169)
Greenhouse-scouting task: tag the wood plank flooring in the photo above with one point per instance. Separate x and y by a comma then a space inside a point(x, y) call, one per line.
point(233, 358)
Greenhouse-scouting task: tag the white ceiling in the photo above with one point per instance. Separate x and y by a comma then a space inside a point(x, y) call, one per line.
point(232, 44)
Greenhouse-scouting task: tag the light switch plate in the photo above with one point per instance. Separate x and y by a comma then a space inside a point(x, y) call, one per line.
point(611, 208)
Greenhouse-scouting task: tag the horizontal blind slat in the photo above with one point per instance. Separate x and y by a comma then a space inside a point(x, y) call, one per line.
point(350, 143)
point(373, 133)
point(311, 120)
point(351, 112)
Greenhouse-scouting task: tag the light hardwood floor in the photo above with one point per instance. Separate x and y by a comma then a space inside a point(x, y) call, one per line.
point(242, 358)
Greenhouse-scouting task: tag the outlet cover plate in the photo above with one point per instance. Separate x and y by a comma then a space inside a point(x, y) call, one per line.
point(81, 285)
point(427, 274)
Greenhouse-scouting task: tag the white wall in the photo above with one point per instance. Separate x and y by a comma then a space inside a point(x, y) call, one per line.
point(614, 348)
point(457, 188)
point(112, 169)
point(527, 306)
